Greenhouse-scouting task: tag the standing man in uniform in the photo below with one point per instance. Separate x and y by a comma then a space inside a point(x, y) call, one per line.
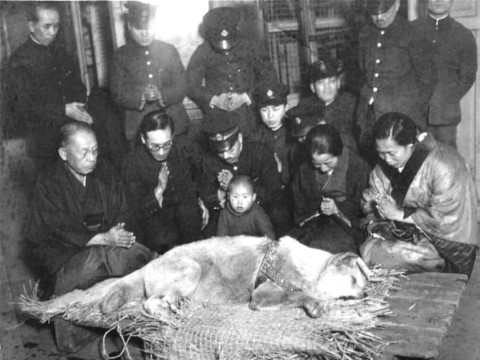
point(44, 90)
point(224, 70)
point(399, 70)
point(456, 60)
point(147, 74)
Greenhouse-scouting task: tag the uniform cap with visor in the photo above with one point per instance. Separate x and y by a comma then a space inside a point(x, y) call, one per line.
point(270, 93)
point(140, 15)
point(222, 129)
point(221, 27)
point(375, 7)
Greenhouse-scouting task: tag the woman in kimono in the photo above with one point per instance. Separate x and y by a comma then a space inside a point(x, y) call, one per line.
point(427, 185)
point(327, 191)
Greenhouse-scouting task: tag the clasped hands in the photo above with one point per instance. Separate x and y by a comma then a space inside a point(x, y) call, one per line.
point(162, 182)
point(151, 94)
point(328, 207)
point(230, 101)
point(224, 176)
point(388, 209)
point(116, 236)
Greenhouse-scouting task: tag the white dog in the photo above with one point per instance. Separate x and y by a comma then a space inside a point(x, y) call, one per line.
point(264, 273)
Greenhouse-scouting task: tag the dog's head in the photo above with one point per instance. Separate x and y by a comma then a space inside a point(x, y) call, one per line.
point(344, 277)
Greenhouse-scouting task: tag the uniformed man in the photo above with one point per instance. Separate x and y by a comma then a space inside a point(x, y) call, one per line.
point(399, 69)
point(456, 60)
point(339, 107)
point(272, 106)
point(44, 91)
point(147, 74)
point(44, 88)
point(230, 155)
point(225, 68)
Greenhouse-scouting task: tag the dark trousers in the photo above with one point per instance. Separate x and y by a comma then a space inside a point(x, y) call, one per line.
point(88, 267)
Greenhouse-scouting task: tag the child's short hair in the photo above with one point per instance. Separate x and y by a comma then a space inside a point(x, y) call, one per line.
point(241, 180)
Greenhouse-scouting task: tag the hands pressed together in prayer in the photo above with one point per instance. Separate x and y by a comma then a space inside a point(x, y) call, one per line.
point(76, 111)
point(224, 177)
point(328, 207)
point(116, 236)
point(162, 182)
point(151, 94)
point(388, 209)
point(230, 101)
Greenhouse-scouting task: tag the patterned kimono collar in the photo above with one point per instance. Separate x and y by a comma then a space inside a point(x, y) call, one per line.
point(401, 181)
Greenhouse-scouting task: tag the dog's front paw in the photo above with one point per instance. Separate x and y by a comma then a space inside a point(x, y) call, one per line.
point(314, 308)
point(156, 306)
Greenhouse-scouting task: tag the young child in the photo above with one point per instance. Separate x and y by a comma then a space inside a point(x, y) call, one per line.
point(242, 215)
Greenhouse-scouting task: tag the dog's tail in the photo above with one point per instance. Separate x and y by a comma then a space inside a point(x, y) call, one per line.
point(126, 289)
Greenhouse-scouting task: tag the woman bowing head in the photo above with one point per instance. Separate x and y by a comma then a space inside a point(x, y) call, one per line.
point(424, 191)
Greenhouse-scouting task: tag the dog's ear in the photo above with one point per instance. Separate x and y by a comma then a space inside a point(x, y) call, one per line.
point(347, 259)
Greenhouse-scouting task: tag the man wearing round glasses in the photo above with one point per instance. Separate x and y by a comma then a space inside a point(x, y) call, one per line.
point(160, 187)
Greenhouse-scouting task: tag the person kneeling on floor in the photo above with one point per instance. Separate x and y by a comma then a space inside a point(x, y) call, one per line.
point(79, 231)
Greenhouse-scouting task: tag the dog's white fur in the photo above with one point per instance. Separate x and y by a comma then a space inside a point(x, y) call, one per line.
point(223, 270)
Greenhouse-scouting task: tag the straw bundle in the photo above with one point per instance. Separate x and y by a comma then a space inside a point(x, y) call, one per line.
point(209, 331)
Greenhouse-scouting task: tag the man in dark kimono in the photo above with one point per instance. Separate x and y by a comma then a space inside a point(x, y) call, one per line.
point(160, 187)
point(456, 60)
point(231, 155)
point(44, 91)
point(147, 74)
point(399, 70)
point(224, 70)
point(78, 231)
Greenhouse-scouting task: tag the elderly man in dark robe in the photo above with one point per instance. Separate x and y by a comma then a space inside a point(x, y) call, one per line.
point(79, 231)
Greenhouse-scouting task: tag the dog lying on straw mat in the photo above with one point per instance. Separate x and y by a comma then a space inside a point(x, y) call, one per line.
point(264, 273)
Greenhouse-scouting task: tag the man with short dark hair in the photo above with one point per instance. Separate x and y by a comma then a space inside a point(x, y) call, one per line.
point(160, 187)
point(79, 229)
point(44, 89)
point(456, 60)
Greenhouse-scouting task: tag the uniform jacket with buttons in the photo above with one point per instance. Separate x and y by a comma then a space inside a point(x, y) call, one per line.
point(140, 174)
point(456, 60)
point(256, 160)
point(341, 114)
point(134, 67)
point(40, 81)
point(399, 71)
point(211, 72)
point(279, 141)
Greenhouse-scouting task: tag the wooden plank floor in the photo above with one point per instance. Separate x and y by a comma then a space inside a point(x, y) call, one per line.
point(422, 311)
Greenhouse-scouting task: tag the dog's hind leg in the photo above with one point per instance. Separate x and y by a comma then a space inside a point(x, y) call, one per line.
point(269, 296)
point(170, 281)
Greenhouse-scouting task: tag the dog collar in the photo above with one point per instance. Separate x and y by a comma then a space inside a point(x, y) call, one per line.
point(269, 271)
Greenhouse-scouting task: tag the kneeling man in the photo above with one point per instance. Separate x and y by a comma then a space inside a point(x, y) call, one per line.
point(79, 230)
